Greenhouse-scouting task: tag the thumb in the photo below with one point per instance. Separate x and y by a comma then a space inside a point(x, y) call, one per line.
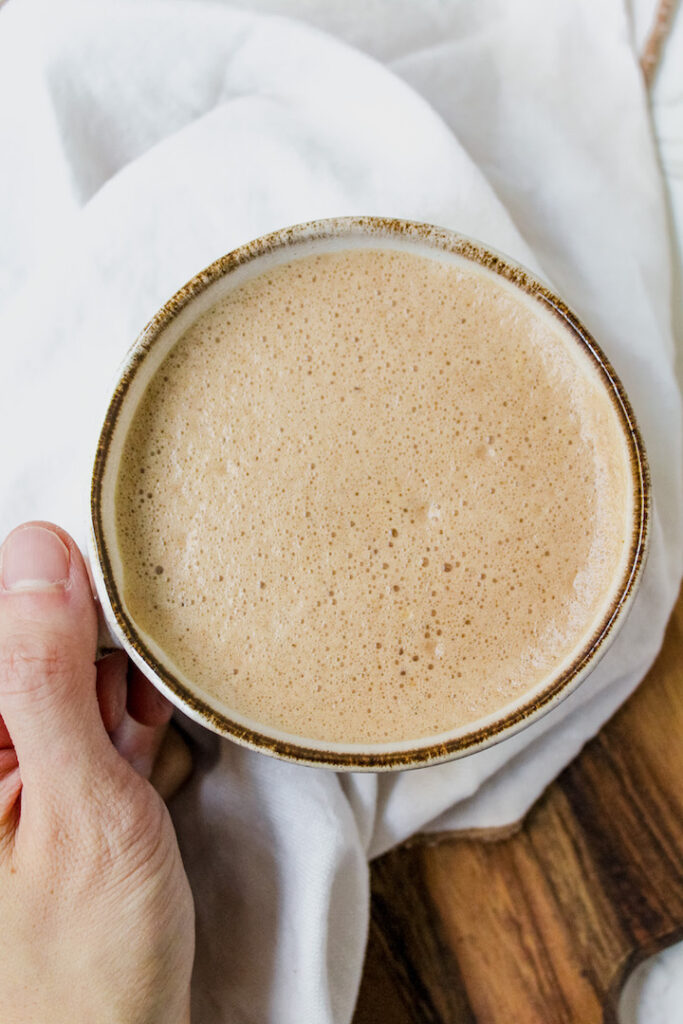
point(48, 636)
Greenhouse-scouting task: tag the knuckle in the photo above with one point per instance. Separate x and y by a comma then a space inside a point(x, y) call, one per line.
point(28, 663)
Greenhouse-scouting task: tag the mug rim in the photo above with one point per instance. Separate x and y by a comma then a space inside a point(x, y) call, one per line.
point(468, 740)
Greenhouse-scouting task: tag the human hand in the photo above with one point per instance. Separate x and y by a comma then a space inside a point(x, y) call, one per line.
point(96, 914)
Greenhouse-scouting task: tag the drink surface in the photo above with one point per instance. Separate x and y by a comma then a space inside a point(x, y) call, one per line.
point(371, 496)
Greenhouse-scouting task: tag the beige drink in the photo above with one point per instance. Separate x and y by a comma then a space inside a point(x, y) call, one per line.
point(372, 496)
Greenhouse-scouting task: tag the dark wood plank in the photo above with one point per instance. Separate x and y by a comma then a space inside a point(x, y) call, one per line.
point(544, 925)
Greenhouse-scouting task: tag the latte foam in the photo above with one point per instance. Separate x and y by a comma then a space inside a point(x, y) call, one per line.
point(372, 496)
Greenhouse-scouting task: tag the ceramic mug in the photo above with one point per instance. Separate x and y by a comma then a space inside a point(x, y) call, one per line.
point(139, 366)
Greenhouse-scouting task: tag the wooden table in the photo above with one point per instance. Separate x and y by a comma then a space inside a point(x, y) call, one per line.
point(544, 926)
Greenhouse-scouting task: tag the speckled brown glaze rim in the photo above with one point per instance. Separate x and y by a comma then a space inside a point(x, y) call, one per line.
point(440, 239)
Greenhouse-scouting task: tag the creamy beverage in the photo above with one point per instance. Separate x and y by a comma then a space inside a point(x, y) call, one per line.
point(372, 496)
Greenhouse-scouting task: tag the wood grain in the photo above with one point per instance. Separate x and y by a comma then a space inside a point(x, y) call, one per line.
point(543, 927)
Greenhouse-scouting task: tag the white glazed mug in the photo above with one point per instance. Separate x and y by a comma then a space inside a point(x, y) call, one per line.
point(142, 361)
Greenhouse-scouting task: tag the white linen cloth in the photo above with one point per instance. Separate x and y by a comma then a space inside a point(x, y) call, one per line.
point(139, 141)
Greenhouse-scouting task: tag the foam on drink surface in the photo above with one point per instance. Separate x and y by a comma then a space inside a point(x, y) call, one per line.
point(371, 496)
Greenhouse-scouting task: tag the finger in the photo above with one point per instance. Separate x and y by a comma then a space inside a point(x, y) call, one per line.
point(8, 761)
point(138, 743)
point(10, 790)
point(48, 631)
point(5, 739)
point(112, 688)
point(145, 704)
point(173, 764)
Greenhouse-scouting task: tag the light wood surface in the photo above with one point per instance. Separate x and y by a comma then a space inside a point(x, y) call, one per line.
point(543, 927)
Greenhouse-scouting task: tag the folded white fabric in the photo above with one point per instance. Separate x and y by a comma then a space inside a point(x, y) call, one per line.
point(140, 140)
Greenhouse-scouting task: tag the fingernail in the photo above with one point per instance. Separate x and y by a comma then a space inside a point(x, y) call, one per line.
point(34, 558)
